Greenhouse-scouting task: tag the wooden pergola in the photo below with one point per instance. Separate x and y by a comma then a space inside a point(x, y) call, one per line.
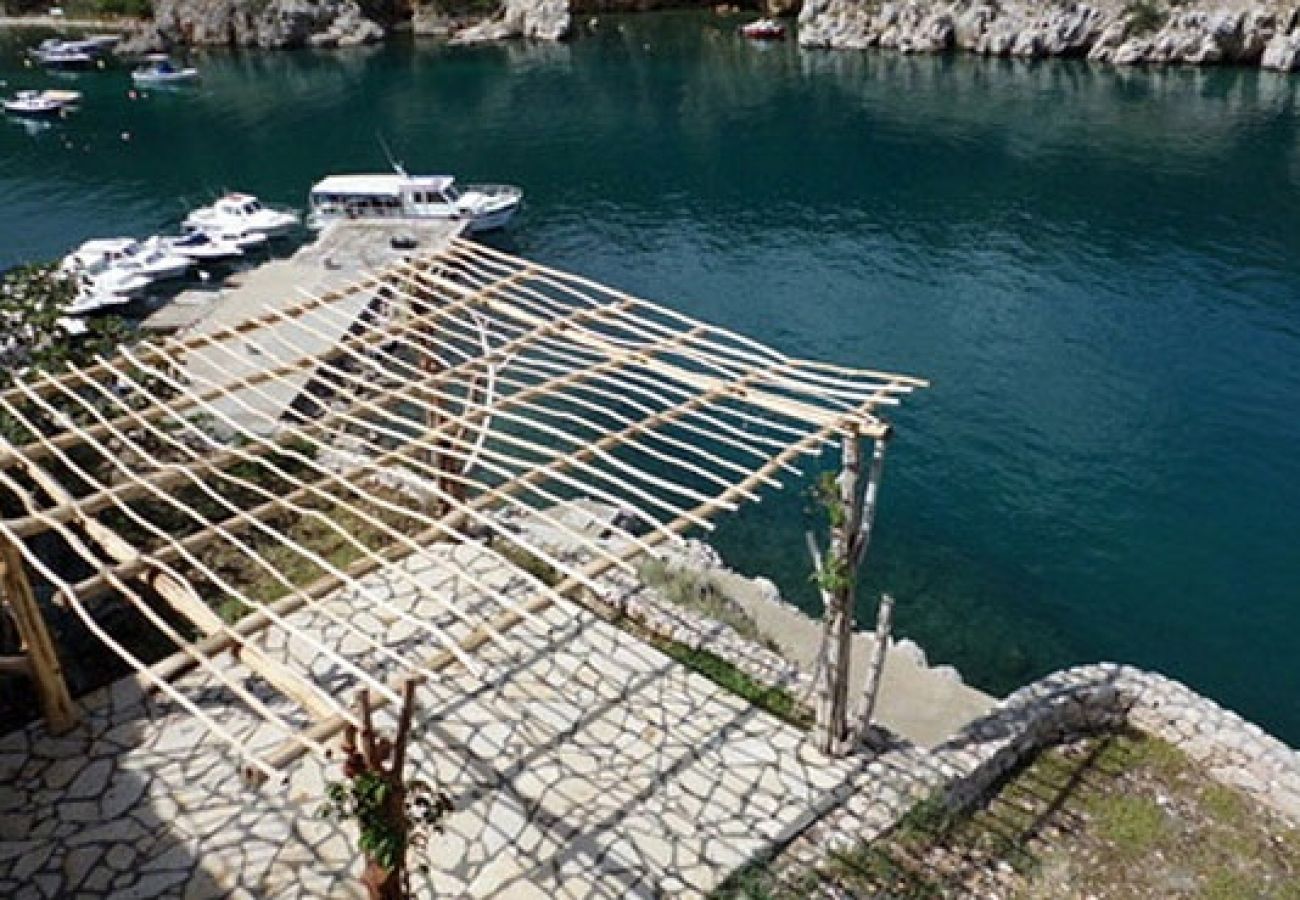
point(474, 386)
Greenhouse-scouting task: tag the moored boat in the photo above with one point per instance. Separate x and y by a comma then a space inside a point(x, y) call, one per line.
point(763, 30)
point(127, 255)
point(62, 54)
point(32, 103)
point(41, 103)
point(201, 246)
point(399, 195)
point(160, 70)
point(242, 215)
point(105, 290)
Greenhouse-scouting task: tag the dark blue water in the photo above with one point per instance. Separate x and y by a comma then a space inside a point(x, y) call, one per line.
point(1099, 269)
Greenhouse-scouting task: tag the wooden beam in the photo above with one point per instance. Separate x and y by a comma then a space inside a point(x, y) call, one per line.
point(16, 665)
point(45, 669)
point(570, 587)
point(185, 600)
point(36, 450)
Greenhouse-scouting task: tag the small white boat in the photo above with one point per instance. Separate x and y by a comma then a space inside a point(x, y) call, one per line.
point(763, 30)
point(159, 69)
point(201, 246)
point(33, 103)
point(61, 54)
point(400, 196)
point(238, 215)
point(127, 255)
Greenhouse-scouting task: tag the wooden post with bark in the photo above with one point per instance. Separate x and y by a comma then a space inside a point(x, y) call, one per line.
point(367, 756)
point(851, 514)
point(40, 661)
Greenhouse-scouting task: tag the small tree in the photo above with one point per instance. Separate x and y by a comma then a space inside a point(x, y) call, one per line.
point(392, 814)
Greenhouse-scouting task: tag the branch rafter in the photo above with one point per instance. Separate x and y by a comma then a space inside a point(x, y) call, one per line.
point(474, 399)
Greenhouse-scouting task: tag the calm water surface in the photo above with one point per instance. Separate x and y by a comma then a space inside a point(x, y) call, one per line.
point(1099, 269)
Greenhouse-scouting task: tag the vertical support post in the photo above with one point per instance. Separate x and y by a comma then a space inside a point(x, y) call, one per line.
point(44, 667)
point(876, 668)
point(838, 592)
point(838, 573)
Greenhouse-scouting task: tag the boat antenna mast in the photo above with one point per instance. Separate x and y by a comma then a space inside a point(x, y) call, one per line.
point(394, 163)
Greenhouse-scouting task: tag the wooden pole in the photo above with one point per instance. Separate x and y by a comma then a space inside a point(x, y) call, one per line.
point(838, 579)
point(876, 668)
point(44, 668)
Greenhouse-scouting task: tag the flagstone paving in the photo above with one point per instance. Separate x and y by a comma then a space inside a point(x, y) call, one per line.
point(582, 763)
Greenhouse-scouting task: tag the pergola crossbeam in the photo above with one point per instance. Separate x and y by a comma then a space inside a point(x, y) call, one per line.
point(472, 397)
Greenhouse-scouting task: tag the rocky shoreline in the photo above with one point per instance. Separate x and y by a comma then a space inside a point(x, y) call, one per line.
point(1121, 32)
point(273, 25)
point(1136, 33)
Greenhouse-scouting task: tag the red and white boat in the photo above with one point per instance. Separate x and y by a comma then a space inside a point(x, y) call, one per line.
point(763, 30)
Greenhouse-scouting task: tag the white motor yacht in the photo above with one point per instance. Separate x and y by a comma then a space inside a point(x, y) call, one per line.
point(150, 261)
point(242, 213)
point(398, 195)
point(200, 246)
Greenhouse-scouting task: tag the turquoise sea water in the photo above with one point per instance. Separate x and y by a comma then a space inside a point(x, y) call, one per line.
point(1099, 269)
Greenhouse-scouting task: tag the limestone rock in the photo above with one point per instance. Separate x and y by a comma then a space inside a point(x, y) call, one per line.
point(1193, 32)
point(277, 24)
point(1283, 53)
point(543, 20)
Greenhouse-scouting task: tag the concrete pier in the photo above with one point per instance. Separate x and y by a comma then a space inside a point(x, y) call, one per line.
point(344, 253)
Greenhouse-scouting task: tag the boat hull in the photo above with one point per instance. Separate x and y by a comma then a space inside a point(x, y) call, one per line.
point(34, 111)
point(493, 220)
point(147, 79)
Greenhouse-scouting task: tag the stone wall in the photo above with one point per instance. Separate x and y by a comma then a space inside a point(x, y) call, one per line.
point(1105, 697)
point(1061, 707)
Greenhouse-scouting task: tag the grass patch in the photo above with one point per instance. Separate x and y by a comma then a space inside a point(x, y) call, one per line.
point(699, 592)
point(337, 534)
point(777, 701)
point(1132, 825)
point(1117, 816)
point(527, 560)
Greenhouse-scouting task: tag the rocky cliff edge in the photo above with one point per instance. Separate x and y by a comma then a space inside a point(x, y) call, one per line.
point(1138, 32)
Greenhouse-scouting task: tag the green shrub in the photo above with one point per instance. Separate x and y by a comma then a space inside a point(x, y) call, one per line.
point(1144, 17)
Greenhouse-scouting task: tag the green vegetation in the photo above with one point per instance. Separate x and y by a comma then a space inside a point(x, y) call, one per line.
point(700, 592)
point(1144, 17)
point(528, 561)
point(32, 302)
point(773, 700)
point(84, 9)
point(1118, 816)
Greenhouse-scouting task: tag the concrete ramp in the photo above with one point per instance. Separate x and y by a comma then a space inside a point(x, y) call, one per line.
point(343, 255)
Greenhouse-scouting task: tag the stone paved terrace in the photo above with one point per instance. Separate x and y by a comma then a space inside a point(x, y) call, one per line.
point(586, 764)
